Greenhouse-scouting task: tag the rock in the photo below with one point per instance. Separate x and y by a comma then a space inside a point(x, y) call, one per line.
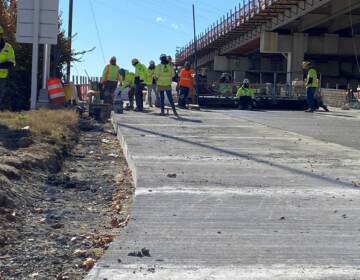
point(172, 175)
point(282, 218)
point(151, 269)
point(57, 226)
point(136, 254)
point(3, 240)
point(62, 181)
point(80, 253)
point(145, 252)
point(140, 254)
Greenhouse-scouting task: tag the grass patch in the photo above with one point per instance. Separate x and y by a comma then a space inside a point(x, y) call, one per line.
point(56, 125)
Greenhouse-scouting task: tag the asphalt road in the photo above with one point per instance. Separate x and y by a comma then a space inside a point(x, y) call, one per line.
point(340, 127)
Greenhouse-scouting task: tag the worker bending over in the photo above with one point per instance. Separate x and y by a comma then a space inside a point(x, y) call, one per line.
point(140, 78)
point(164, 73)
point(245, 96)
point(127, 84)
point(186, 84)
point(110, 79)
point(151, 82)
point(7, 63)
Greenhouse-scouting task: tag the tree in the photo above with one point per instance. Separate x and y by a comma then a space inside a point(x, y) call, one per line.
point(20, 78)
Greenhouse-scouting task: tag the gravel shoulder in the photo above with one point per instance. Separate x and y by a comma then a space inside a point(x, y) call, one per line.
point(61, 211)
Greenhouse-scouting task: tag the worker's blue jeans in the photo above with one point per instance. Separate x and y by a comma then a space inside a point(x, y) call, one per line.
point(139, 97)
point(162, 100)
point(310, 95)
point(183, 96)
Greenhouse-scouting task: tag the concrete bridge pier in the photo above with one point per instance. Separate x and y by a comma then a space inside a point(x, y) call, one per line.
point(295, 57)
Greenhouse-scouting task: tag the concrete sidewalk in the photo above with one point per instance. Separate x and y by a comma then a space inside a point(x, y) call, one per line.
point(220, 197)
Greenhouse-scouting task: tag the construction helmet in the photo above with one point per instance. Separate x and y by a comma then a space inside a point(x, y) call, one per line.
point(1, 30)
point(134, 61)
point(306, 64)
point(152, 63)
point(122, 72)
point(113, 60)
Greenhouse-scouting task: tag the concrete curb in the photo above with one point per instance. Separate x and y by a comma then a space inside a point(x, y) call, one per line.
point(126, 151)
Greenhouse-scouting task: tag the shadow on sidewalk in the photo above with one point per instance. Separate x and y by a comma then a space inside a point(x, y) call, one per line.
point(243, 156)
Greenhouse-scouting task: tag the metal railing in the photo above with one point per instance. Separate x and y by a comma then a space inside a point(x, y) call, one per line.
point(245, 17)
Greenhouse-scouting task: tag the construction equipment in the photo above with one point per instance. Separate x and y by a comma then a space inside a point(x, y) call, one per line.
point(222, 93)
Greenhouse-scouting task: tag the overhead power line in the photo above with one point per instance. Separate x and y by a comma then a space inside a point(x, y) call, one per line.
point(97, 30)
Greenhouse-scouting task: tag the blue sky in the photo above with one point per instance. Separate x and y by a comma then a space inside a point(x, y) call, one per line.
point(138, 28)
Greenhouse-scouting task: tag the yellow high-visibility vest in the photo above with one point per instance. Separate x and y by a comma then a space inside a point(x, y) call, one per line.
point(312, 73)
point(128, 81)
point(111, 73)
point(150, 76)
point(141, 71)
point(7, 54)
point(245, 92)
point(164, 74)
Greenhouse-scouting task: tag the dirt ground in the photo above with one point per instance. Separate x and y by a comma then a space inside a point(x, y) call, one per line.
point(56, 220)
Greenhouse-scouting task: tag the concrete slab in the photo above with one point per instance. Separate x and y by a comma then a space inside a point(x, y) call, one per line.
point(225, 197)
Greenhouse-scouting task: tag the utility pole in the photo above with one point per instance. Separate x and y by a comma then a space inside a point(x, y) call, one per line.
point(68, 68)
point(196, 55)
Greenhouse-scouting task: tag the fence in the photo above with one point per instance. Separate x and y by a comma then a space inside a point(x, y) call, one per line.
point(84, 84)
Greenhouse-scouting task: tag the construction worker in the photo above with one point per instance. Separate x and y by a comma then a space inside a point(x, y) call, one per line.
point(7, 63)
point(110, 79)
point(127, 84)
point(245, 95)
point(164, 73)
point(140, 78)
point(186, 84)
point(311, 84)
point(151, 82)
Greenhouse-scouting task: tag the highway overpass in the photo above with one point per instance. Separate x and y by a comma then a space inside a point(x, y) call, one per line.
point(262, 37)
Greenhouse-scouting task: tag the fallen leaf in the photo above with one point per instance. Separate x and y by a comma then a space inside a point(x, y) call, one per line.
point(88, 264)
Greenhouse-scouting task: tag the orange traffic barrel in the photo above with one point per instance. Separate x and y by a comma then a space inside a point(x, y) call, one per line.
point(56, 91)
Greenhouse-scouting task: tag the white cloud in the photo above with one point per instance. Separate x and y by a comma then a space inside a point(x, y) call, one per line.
point(160, 19)
point(174, 26)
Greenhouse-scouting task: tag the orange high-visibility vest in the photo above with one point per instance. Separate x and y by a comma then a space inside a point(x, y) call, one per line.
point(186, 78)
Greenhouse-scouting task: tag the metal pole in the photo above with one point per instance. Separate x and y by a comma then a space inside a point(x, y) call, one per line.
point(196, 58)
point(68, 68)
point(46, 66)
point(35, 55)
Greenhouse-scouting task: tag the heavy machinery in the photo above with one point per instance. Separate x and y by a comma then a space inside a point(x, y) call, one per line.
point(222, 93)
